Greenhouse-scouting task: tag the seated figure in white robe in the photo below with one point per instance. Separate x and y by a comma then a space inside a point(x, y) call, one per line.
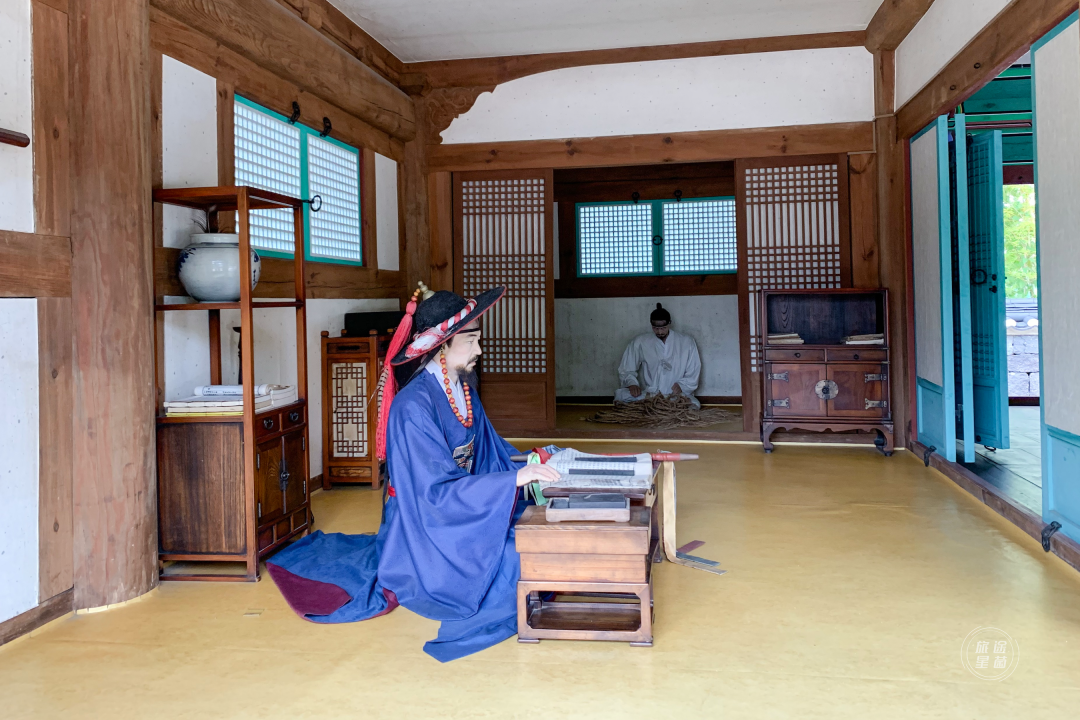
point(661, 362)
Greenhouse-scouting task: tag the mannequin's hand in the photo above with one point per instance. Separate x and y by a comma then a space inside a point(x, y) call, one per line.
point(536, 473)
point(634, 390)
point(676, 390)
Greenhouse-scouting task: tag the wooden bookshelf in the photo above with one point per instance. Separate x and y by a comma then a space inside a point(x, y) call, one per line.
point(233, 488)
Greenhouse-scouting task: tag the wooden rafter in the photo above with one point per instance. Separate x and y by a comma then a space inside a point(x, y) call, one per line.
point(495, 70)
point(893, 21)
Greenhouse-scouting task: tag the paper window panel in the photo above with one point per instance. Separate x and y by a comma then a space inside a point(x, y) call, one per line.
point(267, 156)
point(334, 175)
point(792, 234)
point(699, 236)
point(503, 243)
point(615, 239)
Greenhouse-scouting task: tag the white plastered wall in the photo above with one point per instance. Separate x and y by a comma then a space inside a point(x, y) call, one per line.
point(1057, 105)
point(925, 233)
point(592, 333)
point(943, 31)
point(798, 87)
point(16, 113)
point(386, 211)
point(18, 457)
point(189, 159)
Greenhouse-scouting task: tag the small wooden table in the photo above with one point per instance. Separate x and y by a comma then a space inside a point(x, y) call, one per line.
point(586, 580)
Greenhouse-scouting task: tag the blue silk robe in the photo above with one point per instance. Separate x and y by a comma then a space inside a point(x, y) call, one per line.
point(446, 545)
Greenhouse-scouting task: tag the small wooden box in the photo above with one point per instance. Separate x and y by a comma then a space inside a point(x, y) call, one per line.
point(591, 558)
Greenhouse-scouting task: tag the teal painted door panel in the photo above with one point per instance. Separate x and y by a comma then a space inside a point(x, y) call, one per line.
point(961, 279)
point(986, 246)
point(1061, 491)
point(936, 404)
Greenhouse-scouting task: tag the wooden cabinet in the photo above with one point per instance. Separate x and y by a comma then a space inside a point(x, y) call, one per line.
point(824, 384)
point(350, 374)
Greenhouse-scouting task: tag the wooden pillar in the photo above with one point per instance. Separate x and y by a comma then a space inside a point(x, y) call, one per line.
point(892, 237)
point(114, 497)
point(416, 255)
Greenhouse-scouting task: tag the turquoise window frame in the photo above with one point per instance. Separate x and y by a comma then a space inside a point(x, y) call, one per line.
point(305, 132)
point(657, 216)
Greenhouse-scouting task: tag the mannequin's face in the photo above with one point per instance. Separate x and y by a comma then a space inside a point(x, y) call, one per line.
point(463, 350)
point(661, 330)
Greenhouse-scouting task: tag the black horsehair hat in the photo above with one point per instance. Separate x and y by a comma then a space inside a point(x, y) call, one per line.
point(660, 315)
point(441, 316)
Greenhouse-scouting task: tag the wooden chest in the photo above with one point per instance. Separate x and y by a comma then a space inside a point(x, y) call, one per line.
point(565, 564)
point(824, 384)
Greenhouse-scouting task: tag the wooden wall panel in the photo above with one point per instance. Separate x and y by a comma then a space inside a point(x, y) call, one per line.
point(52, 181)
point(114, 499)
point(55, 568)
point(703, 146)
point(34, 265)
point(862, 176)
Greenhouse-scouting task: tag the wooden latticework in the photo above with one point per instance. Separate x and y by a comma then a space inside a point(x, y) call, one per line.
point(349, 409)
point(504, 243)
point(795, 233)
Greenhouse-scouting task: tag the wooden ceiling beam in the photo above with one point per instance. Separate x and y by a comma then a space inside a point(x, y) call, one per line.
point(700, 146)
point(337, 26)
point(266, 33)
point(996, 47)
point(480, 72)
point(893, 21)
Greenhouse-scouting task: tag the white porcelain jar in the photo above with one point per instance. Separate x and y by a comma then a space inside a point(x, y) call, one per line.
point(209, 267)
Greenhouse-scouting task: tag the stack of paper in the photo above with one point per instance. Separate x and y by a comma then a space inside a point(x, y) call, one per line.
point(784, 339)
point(229, 400)
point(587, 471)
point(870, 339)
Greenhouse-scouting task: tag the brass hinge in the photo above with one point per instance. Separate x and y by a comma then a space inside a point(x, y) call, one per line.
point(259, 509)
point(876, 403)
point(785, 403)
point(779, 376)
point(873, 377)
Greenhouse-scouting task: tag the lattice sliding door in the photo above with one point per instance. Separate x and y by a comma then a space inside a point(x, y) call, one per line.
point(793, 233)
point(503, 236)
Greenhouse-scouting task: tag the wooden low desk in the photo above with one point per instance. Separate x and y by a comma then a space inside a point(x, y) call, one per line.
point(585, 580)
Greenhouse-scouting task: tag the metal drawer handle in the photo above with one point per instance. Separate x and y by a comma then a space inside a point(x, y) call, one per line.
point(268, 423)
point(779, 376)
point(785, 403)
point(875, 403)
point(798, 355)
point(855, 356)
point(873, 377)
point(294, 416)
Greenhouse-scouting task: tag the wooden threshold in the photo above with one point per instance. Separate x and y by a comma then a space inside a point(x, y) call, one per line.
point(990, 496)
point(676, 434)
point(47, 611)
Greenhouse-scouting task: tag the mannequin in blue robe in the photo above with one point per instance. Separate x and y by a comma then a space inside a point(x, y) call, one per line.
point(445, 549)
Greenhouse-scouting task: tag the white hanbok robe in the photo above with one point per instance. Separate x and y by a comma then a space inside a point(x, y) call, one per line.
point(655, 366)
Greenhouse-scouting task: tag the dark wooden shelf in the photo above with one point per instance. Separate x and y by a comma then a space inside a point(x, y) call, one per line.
point(225, 198)
point(229, 305)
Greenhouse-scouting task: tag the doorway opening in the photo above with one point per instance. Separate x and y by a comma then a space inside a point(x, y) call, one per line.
point(1005, 106)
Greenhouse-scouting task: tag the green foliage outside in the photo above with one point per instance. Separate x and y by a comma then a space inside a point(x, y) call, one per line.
point(1020, 267)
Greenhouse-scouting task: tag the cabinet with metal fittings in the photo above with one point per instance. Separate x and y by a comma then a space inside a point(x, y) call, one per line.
point(232, 488)
point(813, 379)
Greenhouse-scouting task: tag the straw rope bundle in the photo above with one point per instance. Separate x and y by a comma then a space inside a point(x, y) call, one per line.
point(662, 412)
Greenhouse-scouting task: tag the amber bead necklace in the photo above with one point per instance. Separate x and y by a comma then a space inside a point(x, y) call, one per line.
point(468, 419)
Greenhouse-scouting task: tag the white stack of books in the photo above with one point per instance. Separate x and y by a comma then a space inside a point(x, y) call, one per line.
point(869, 339)
point(229, 400)
point(785, 339)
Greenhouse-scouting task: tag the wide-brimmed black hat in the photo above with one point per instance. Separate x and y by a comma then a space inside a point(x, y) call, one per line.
point(440, 317)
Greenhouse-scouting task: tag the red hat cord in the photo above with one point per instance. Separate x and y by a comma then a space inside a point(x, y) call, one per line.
point(387, 383)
